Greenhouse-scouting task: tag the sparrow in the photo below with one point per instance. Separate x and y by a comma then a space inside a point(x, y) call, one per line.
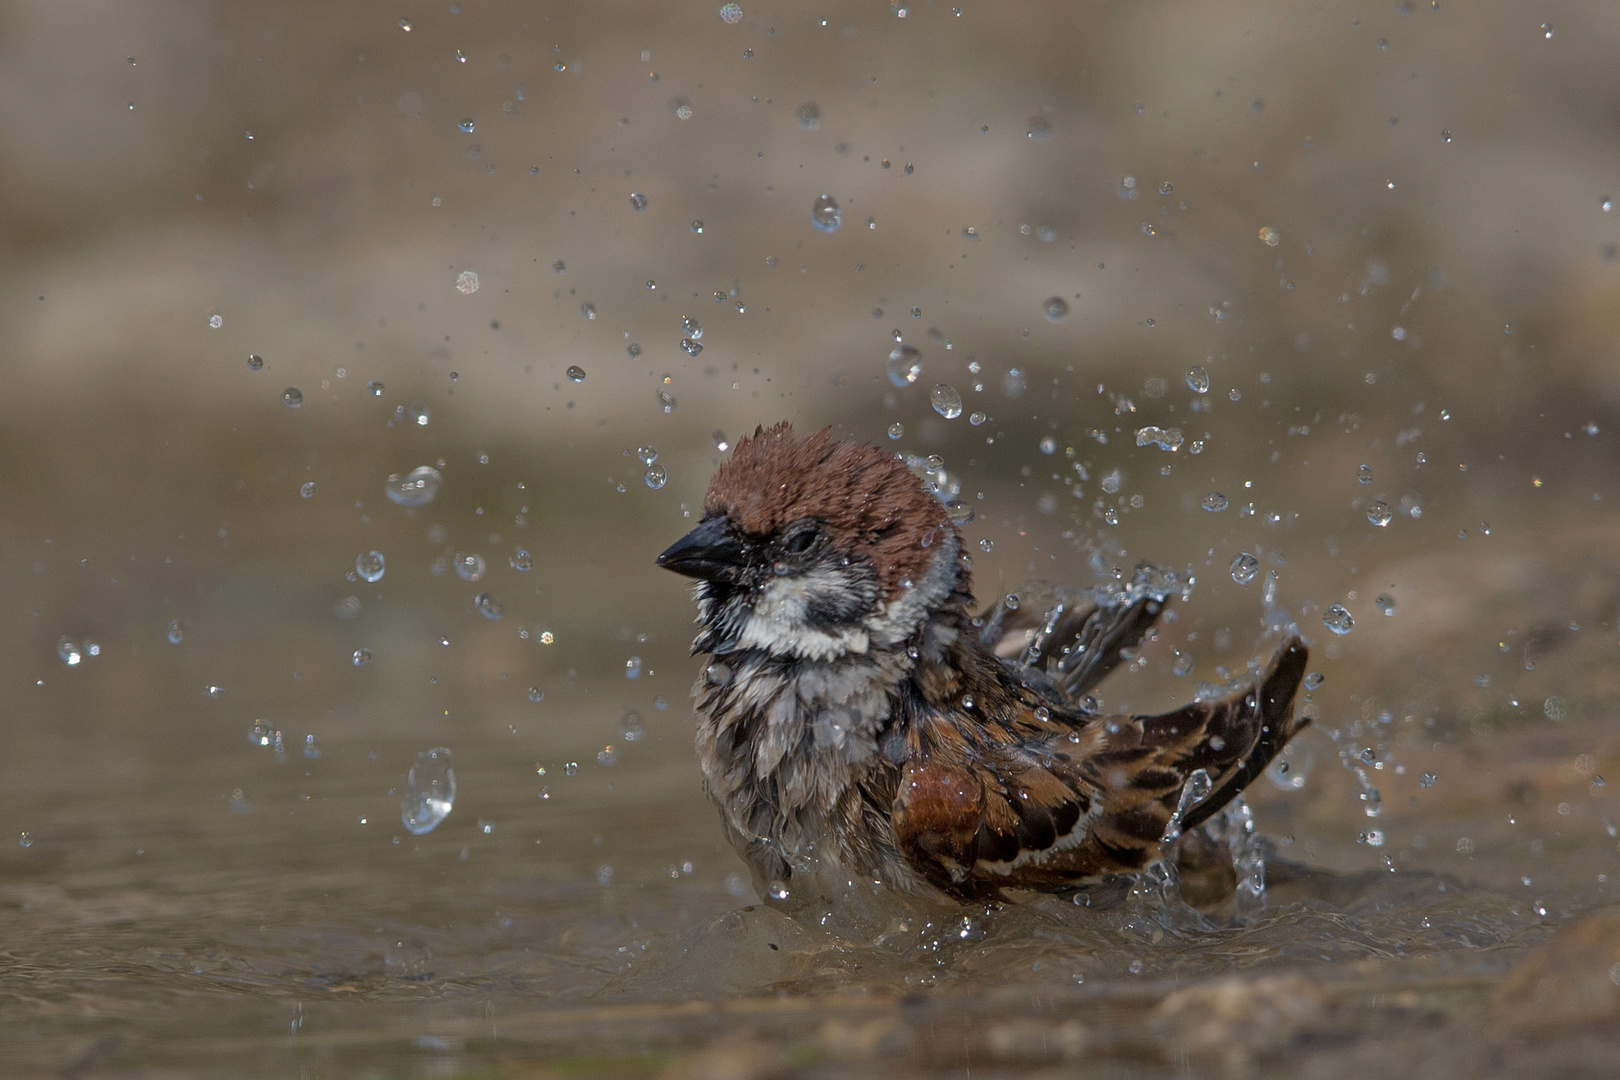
point(855, 710)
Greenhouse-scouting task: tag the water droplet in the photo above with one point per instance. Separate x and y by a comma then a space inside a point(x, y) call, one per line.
point(1183, 664)
point(430, 792)
point(1244, 568)
point(690, 347)
point(1364, 474)
point(370, 565)
point(1427, 780)
point(825, 215)
point(469, 566)
point(809, 116)
point(571, 768)
point(521, 561)
point(717, 674)
point(1385, 603)
point(1269, 236)
point(1038, 129)
point(655, 477)
point(731, 14)
point(292, 397)
point(1547, 31)
point(70, 652)
point(946, 401)
point(575, 373)
point(1338, 620)
point(607, 757)
point(959, 512)
point(465, 124)
point(255, 362)
point(1379, 513)
point(897, 430)
point(1055, 308)
point(362, 657)
point(418, 488)
point(1198, 379)
point(488, 606)
point(666, 402)
point(588, 310)
point(536, 694)
point(987, 544)
point(466, 283)
point(1215, 502)
point(1313, 680)
point(312, 747)
point(1164, 438)
point(905, 365)
point(632, 668)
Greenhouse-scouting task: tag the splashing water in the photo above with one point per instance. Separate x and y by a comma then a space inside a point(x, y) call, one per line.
point(1194, 790)
point(946, 401)
point(905, 365)
point(1164, 438)
point(418, 488)
point(430, 792)
point(370, 565)
point(825, 215)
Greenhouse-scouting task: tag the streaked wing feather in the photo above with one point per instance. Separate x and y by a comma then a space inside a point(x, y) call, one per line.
point(979, 812)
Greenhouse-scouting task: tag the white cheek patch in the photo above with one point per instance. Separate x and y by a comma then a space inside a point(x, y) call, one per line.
point(778, 623)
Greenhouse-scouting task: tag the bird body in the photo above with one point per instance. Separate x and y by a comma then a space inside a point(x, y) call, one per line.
point(856, 712)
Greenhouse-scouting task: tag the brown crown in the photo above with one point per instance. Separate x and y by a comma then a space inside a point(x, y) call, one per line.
point(873, 506)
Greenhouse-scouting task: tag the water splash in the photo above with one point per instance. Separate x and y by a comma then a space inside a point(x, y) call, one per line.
point(430, 792)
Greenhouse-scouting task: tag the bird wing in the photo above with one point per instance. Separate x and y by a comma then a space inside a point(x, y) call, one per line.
point(1075, 637)
point(982, 806)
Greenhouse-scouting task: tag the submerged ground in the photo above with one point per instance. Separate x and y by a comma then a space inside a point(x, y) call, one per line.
point(1316, 307)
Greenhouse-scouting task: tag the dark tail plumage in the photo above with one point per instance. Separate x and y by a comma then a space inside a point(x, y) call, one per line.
point(1253, 729)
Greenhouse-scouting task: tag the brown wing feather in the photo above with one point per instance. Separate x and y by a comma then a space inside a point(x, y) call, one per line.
point(1073, 637)
point(986, 807)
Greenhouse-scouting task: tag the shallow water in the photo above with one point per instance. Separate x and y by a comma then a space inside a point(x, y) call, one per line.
point(1335, 340)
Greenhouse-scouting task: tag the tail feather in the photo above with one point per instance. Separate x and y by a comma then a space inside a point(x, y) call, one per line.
point(1146, 764)
point(1278, 722)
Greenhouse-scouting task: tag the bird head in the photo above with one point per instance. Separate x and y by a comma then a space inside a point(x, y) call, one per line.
point(816, 548)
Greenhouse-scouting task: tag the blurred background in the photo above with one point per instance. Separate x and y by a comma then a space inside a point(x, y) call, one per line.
point(1317, 304)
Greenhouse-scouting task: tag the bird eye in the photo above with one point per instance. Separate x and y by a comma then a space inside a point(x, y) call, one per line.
point(800, 542)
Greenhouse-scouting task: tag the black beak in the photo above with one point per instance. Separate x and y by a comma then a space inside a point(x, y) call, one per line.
point(709, 552)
